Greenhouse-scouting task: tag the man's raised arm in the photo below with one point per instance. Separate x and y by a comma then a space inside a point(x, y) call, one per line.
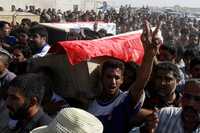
point(151, 43)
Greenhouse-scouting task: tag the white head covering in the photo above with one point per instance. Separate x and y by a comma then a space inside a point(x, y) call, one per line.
point(72, 120)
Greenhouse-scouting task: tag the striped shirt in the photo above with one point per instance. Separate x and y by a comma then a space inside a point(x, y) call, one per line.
point(169, 121)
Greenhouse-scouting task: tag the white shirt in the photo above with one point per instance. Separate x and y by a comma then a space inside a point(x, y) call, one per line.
point(43, 51)
point(170, 121)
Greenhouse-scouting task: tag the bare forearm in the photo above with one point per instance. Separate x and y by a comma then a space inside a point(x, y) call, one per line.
point(151, 43)
point(137, 89)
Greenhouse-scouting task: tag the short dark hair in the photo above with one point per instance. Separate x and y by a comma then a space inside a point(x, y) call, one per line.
point(37, 29)
point(3, 23)
point(170, 48)
point(195, 61)
point(23, 30)
point(29, 85)
point(112, 64)
point(27, 21)
point(167, 66)
point(26, 50)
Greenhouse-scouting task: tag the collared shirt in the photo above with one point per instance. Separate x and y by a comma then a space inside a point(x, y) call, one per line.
point(38, 120)
point(169, 121)
point(41, 52)
point(116, 114)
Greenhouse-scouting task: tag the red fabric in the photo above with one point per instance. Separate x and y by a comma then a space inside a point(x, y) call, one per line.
point(125, 47)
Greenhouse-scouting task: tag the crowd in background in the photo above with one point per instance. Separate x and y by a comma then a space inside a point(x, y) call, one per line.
point(172, 85)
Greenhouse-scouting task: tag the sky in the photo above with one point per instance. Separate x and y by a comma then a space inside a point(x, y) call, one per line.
point(160, 3)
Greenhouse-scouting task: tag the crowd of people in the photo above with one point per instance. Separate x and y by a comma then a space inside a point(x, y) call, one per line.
point(162, 95)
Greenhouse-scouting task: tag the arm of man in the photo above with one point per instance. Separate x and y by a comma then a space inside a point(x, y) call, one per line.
point(151, 46)
point(150, 123)
point(140, 116)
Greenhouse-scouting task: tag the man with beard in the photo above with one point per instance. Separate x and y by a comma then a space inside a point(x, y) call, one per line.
point(23, 102)
point(39, 38)
point(185, 119)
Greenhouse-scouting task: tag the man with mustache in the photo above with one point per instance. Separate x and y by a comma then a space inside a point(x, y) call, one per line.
point(113, 107)
point(162, 92)
point(185, 119)
point(23, 102)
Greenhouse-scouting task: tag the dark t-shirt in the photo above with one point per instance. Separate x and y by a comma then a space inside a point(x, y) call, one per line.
point(153, 101)
point(116, 114)
point(38, 120)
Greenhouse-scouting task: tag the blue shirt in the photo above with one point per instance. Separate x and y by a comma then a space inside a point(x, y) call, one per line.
point(41, 52)
point(116, 114)
point(11, 40)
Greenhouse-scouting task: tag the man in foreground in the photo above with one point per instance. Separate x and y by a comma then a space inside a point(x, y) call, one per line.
point(23, 102)
point(115, 108)
point(185, 119)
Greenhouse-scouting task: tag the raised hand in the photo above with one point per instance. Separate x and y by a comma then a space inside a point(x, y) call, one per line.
point(151, 42)
point(150, 39)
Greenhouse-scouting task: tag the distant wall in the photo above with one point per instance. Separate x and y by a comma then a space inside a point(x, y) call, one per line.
point(58, 4)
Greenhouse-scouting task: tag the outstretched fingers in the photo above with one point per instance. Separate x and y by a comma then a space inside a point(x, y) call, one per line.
point(146, 36)
point(156, 38)
point(148, 32)
point(158, 26)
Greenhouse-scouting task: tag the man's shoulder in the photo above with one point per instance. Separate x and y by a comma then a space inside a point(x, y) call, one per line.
point(99, 108)
point(11, 40)
point(46, 47)
point(10, 75)
point(170, 112)
point(171, 109)
point(170, 120)
point(43, 119)
point(40, 119)
point(7, 76)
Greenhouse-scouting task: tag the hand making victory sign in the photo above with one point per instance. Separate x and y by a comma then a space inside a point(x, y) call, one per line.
point(150, 39)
